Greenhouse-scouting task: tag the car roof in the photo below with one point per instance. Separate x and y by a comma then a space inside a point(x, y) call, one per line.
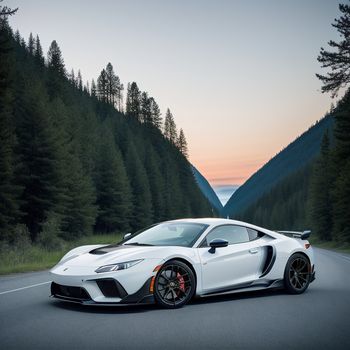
point(210, 221)
point(220, 221)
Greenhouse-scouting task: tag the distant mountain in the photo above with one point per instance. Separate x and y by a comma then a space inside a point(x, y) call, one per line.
point(224, 192)
point(207, 190)
point(294, 157)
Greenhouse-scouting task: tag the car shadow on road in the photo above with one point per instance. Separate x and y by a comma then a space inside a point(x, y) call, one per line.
point(127, 309)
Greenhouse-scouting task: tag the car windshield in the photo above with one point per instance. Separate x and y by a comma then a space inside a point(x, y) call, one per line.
point(183, 234)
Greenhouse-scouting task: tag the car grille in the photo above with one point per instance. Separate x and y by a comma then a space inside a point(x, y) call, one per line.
point(111, 288)
point(69, 292)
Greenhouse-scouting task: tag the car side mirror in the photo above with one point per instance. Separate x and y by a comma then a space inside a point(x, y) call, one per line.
point(127, 235)
point(217, 243)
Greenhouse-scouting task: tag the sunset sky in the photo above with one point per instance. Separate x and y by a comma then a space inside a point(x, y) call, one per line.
point(239, 76)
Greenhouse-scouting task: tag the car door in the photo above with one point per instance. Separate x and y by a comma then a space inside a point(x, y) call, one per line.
point(231, 266)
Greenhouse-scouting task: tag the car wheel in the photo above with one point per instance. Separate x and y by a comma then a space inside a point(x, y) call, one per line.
point(174, 285)
point(297, 274)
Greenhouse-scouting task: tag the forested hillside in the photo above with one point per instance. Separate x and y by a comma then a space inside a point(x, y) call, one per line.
point(293, 158)
point(318, 195)
point(284, 206)
point(72, 162)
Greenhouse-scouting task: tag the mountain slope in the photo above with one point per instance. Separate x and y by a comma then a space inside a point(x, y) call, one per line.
point(207, 190)
point(284, 206)
point(293, 158)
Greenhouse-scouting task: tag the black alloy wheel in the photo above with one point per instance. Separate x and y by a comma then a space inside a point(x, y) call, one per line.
point(297, 274)
point(174, 285)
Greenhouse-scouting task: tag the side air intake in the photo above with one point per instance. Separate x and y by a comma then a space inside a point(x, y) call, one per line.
point(270, 260)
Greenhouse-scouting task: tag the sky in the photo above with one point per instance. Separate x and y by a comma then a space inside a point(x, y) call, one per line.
point(238, 76)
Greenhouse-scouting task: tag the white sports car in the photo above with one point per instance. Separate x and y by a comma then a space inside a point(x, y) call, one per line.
point(173, 261)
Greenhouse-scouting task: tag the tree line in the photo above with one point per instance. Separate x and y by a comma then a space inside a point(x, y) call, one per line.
point(72, 162)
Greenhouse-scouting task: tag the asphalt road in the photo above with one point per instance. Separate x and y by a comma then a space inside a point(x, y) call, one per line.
point(317, 319)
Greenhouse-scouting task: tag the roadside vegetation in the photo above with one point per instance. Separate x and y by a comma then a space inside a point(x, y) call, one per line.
point(24, 256)
point(338, 247)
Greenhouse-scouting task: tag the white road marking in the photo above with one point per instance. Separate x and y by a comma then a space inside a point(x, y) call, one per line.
point(31, 286)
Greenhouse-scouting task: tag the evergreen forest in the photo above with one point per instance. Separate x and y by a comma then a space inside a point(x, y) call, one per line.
point(80, 158)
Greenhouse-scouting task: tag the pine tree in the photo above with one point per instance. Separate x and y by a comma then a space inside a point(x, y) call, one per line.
point(102, 86)
point(338, 77)
point(113, 86)
point(341, 162)
point(38, 51)
point(338, 60)
point(17, 37)
point(79, 81)
point(320, 198)
point(156, 181)
point(31, 44)
point(75, 204)
point(133, 101)
point(170, 131)
point(93, 88)
point(142, 214)
point(23, 43)
point(155, 114)
point(6, 11)
point(79, 211)
point(145, 112)
point(55, 60)
point(9, 191)
point(40, 176)
point(57, 71)
point(182, 144)
point(72, 78)
point(113, 190)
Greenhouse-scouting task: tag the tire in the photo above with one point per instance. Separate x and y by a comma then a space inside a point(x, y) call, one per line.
point(297, 274)
point(174, 285)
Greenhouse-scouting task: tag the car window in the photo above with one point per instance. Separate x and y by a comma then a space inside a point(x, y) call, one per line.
point(231, 233)
point(253, 234)
point(178, 233)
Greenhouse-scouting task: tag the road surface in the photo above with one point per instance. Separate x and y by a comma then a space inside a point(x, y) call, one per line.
point(318, 319)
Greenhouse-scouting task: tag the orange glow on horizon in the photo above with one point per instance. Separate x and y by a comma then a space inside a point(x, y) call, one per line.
point(234, 173)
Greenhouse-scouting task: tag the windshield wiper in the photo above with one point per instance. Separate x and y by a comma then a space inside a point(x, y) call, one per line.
point(139, 244)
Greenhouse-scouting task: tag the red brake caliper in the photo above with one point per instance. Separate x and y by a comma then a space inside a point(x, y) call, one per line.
point(181, 282)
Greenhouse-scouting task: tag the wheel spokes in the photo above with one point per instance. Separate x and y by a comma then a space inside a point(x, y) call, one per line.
point(174, 284)
point(298, 273)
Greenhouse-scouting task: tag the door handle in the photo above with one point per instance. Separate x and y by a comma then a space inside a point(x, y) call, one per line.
point(253, 250)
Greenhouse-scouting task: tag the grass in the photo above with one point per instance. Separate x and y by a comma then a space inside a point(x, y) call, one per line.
point(31, 257)
point(335, 246)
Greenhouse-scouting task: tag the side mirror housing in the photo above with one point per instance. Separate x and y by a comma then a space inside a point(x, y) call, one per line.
point(217, 243)
point(127, 235)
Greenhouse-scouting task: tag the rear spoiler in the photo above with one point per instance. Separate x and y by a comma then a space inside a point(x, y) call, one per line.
point(297, 234)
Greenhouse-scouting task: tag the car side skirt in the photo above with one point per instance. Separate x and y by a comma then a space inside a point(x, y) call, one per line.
point(249, 286)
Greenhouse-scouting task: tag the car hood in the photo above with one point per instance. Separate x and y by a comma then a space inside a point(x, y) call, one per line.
point(122, 253)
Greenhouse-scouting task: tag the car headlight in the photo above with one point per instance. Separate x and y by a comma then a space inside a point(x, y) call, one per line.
point(117, 267)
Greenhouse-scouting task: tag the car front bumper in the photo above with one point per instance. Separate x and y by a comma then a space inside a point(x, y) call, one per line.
point(112, 292)
point(83, 285)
